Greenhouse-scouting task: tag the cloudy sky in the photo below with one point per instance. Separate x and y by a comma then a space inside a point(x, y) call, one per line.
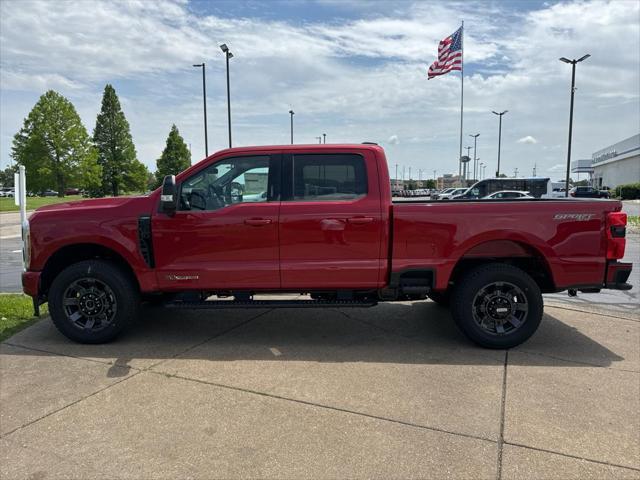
point(351, 69)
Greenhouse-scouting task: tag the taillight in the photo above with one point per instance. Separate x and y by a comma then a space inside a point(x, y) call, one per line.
point(616, 230)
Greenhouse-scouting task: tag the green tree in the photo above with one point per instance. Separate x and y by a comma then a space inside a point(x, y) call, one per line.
point(6, 176)
point(430, 183)
point(175, 156)
point(54, 147)
point(121, 170)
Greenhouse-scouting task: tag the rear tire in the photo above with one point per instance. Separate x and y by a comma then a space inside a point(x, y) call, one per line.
point(497, 305)
point(93, 301)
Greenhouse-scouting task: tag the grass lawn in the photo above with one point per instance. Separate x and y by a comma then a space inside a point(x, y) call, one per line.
point(8, 205)
point(633, 220)
point(16, 313)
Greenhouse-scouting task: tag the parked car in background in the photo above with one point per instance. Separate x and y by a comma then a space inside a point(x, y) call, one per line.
point(72, 191)
point(436, 195)
point(7, 192)
point(508, 194)
point(605, 192)
point(452, 193)
point(49, 193)
point(584, 192)
point(558, 189)
point(538, 187)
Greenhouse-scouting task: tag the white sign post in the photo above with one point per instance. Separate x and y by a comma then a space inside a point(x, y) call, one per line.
point(20, 199)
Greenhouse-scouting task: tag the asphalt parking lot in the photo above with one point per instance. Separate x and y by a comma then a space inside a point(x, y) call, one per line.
point(394, 391)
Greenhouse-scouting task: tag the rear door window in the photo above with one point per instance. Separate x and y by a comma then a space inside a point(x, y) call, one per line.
point(329, 177)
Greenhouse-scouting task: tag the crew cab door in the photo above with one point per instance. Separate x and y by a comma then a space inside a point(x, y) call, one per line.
point(224, 234)
point(330, 221)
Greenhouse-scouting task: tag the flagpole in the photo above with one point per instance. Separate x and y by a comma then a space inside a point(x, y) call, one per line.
point(461, 100)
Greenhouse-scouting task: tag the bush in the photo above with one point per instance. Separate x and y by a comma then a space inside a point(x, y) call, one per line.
point(629, 191)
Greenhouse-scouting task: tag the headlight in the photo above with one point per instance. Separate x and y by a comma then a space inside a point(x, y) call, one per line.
point(26, 245)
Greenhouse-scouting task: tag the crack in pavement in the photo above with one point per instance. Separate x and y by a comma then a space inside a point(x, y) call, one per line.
point(503, 402)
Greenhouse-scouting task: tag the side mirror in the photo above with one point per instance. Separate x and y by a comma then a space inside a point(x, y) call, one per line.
point(168, 196)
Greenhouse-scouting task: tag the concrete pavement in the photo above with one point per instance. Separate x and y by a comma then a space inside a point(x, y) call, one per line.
point(389, 392)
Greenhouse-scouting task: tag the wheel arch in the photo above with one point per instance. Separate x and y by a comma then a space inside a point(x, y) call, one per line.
point(74, 253)
point(519, 253)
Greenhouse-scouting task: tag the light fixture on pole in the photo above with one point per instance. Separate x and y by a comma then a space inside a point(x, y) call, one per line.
point(292, 113)
point(499, 138)
point(324, 138)
point(204, 102)
point(228, 55)
point(573, 89)
point(319, 139)
point(475, 160)
point(465, 167)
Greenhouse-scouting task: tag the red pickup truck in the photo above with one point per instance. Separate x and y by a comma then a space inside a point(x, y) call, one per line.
point(315, 220)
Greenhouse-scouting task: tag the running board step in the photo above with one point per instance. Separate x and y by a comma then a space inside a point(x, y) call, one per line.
point(218, 304)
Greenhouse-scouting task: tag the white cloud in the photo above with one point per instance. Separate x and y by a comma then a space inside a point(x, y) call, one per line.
point(393, 140)
point(528, 139)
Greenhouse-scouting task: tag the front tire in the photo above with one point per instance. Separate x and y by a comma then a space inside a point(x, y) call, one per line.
point(497, 305)
point(93, 301)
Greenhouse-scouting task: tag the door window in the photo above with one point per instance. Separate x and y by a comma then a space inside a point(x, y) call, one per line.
point(324, 177)
point(230, 181)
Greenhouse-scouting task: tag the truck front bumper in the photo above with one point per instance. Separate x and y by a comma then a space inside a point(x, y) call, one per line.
point(31, 283)
point(617, 275)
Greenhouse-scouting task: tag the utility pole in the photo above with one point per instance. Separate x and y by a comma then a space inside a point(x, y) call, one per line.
point(228, 55)
point(466, 165)
point(292, 113)
point(499, 138)
point(475, 160)
point(573, 89)
point(204, 103)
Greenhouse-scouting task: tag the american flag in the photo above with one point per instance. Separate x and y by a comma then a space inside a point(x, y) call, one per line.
point(449, 55)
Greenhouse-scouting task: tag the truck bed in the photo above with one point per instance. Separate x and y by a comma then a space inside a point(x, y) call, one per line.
point(567, 235)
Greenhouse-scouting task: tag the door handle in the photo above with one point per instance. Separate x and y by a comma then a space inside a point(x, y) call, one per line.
point(359, 220)
point(258, 222)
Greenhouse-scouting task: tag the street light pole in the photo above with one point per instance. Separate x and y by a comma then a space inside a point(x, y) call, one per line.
point(466, 166)
point(573, 89)
point(204, 102)
point(292, 113)
point(499, 138)
point(480, 165)
point(475, 160)
point(228, 55)
point(319, 139)
point(324, 138)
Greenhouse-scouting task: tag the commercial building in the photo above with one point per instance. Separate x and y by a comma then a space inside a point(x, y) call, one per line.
point(617, 164)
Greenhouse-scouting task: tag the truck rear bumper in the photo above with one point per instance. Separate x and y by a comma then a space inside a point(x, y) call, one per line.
point(617, 276)
point(31, 283)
